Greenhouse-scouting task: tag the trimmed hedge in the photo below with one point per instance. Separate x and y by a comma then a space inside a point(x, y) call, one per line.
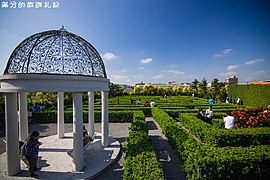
point(256, 95)
point(223, 137)
point(140, 161)
point(51, 116)
point(209, 162)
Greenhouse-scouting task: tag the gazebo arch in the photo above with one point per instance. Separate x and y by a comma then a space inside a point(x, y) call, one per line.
point(53, 61)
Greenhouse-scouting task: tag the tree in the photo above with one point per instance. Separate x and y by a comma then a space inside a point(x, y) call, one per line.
point(201, 92)
point(148, 89)
point(187, 90)
point(138, 89)
point(203, 85)
point(177, 90)
point(46, 98)
point(223, 93)
point(195, 85)
point(216, 88)
point(115, 90)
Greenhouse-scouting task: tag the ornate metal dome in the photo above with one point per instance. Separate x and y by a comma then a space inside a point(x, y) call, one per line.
point(56, 52)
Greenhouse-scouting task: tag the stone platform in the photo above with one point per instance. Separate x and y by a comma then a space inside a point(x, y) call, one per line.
point(56, 163)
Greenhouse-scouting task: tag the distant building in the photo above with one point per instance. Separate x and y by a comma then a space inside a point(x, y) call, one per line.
point(125, 86)
point(140, 83)
point(184, 84)
point(232, 80)
point(173, 83)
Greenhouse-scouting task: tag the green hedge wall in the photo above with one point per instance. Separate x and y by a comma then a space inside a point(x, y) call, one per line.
point(256, 95)
point(51, 116)
point(223, 137)
point(209, 162)
point(140, 161)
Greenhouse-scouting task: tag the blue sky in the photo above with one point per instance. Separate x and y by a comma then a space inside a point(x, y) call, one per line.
point(156, 40)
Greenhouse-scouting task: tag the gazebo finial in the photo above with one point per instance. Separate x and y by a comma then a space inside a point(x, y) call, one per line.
point(63, 28)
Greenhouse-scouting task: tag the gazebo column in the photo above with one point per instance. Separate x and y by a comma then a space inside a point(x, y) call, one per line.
point(91, 114)
point(60, 115)
point(12, 139)
point(105, 120)
point(78, 155)
point(23, 116)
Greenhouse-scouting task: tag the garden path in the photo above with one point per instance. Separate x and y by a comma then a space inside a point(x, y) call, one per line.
point(167, 158)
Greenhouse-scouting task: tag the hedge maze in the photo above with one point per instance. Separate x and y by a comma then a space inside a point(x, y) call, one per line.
point(208, 151)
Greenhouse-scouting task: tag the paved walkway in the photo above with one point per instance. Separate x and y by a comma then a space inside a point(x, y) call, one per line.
point(169, 162)
point(166, 155)
point(59, 170)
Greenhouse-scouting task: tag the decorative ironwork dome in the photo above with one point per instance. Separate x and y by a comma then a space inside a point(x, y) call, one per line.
point(56, 52)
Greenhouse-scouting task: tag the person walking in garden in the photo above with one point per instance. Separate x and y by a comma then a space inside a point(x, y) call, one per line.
point(229, 120)
point(31, 150)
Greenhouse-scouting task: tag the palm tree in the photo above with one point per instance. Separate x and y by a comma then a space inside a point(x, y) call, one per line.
point(203, 85)
point(195, 85)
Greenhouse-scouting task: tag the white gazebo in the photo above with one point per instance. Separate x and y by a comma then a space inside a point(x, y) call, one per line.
point(53, 61)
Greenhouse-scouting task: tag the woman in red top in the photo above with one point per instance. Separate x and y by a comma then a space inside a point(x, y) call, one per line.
point(146, 104)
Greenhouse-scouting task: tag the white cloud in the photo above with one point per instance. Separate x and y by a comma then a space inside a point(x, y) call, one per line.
point(254, 61)
point(141, 68)
point(258, 76)
point(109, 56)
point(230, 73)
point(146, 60)
point(227, 51)
point(223, 53)
point(174, 72)
point(117, 77)
point(123, 70)
point(232, 67)
point(157, 77)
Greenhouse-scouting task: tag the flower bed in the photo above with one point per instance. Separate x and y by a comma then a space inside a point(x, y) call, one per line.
point(249, 118)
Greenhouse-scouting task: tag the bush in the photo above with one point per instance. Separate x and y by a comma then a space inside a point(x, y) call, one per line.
point(256, 95)
point(209, 162)
point(223, 137)
point(140, 161)
point(51, 116)
point(251, 118)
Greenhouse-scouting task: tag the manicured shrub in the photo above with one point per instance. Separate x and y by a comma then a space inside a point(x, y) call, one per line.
point(256, 95)
point(51, 116)
point(142, 166)
point(140, 161)
point(223, 137)
point(203, 161)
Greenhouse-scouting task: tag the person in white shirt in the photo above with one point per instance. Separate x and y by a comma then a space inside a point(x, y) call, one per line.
point(209, 115)
point(267, 110)
point(238, 101)
point(229, 120)
point(152, 103)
